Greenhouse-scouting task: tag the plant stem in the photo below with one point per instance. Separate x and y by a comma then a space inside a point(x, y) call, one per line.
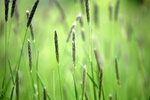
point(54, 85)
point(22, 49)
point(37, 76)
point(60, 82)
point(94, 90)
point(4, 80)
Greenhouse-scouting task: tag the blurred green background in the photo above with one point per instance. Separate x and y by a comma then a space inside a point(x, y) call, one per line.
point(127, 38)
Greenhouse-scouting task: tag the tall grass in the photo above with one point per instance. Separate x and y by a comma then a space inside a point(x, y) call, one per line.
point(54, 76)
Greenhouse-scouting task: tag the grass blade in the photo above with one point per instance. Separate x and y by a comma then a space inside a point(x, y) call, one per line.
point(94, 83)
point(75, 88)
point(12, 92)
point(94, 90)
point(11, 72)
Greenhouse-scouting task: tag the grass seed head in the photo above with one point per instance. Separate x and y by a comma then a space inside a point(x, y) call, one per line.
point(6, 3)
point(87, 10)
point(70, 31)
point(30, 55)
point(56, 46)
point(96, 14)
point(81, 21)
point(13, 7)
point(117, 71)
point(73, 47)
point(31, 27)
point(79, 16)
point(32, 12)
point(117, 9)
point(97, 59)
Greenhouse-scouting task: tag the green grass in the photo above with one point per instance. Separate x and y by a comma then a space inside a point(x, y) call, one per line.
point(110, 39)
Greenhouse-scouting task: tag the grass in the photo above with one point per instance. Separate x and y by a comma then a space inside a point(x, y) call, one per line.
point(110, 40)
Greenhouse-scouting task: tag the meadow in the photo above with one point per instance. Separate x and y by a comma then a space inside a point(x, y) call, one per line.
point(74, 50)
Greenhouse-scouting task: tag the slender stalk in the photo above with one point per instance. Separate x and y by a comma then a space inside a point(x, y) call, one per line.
point(12, 92)
point(75, 87)
point(60, 82)
point(84, 81)
point(9, 31)
point(94, 90)
point(54, 85)
point(32, 82)
point(40, 79)
point(11, 72)
point(5, 57)
point(17, 86)
point(100, 83)
point(22, 49)
point(38, 88)
point(117, 71)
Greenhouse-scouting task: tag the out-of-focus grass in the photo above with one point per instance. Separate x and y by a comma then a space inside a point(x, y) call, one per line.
point(109, 38)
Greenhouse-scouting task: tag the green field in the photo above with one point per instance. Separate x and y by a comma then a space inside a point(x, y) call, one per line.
point(127, 39)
